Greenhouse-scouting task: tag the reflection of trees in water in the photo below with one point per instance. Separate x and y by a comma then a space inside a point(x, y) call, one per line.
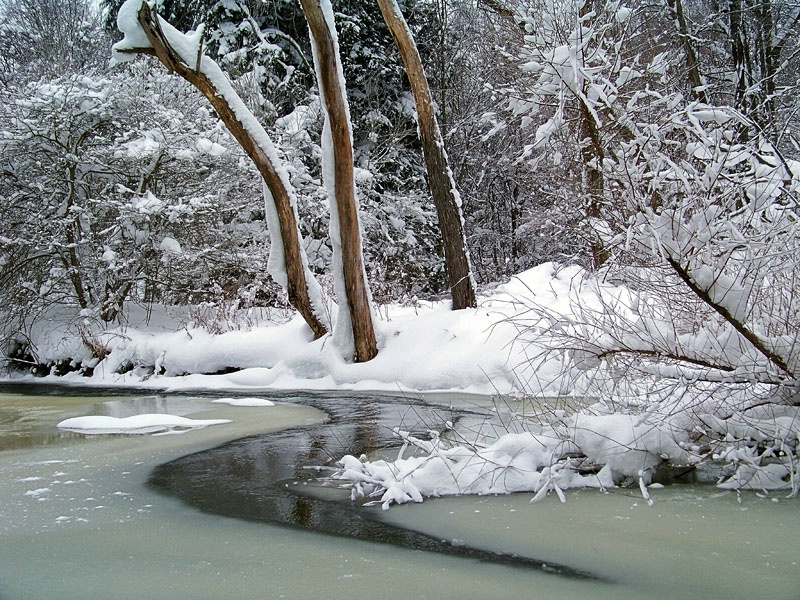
point(303, 512)
point(264, 477)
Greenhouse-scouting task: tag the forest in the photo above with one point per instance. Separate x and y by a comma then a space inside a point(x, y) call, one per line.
point(653, 144)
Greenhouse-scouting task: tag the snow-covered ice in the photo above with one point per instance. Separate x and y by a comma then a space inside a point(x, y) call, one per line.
point(136, 424)
point(245, 401)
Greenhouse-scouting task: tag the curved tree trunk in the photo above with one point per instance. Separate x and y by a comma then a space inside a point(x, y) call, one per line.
point(337, 140)
point(440, 179)
point(298, 277)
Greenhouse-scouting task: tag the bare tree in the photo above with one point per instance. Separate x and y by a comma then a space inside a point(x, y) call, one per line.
point(440, 179)
point(337, 139)
point(692, 62)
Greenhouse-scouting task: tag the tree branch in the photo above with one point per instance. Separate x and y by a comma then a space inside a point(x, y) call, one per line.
point(772, 356)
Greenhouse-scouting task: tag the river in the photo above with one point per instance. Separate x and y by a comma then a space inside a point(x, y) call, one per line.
point(78, 518)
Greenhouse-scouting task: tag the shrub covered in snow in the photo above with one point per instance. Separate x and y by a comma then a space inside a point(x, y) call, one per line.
point(755, 449)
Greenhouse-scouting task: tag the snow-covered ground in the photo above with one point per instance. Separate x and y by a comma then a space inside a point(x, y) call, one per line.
point(493, 350)
point(423, 348)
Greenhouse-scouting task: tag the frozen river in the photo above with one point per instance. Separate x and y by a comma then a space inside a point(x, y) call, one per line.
point(79, 520)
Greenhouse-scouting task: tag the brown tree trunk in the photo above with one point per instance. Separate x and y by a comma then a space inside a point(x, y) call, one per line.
point(440, 179)
point(296, 271)
point(592, 154)
point(327, 60)
point(692, 63)
point(742, 60)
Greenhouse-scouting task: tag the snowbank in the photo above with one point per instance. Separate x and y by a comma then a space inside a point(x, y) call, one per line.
point(422, 348)
point(620, 437)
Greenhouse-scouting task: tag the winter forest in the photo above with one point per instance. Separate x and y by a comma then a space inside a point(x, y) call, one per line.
point(589, 201)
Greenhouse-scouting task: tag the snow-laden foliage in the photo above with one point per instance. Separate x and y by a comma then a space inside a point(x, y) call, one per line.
point(695, 363)
point(687, 203)
point(709, 241)
point(659, 418)
point(594, 448)
point(123, 187)
point(49, 38)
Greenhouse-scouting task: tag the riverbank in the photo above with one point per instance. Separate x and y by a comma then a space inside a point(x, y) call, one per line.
point(424, 347)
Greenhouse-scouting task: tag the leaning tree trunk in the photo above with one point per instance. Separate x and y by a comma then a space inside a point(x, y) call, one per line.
point(440, 178)
point(255, 142)
point(345, 227)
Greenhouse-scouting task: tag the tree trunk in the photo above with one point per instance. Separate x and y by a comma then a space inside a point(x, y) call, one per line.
point(742, 60)
point(692, 63)
point(297, 274)
point(592, 155)
point(340, 143)
point(440, 178)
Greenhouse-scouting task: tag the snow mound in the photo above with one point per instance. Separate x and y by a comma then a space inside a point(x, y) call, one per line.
point(245, 401)
point(136, 425)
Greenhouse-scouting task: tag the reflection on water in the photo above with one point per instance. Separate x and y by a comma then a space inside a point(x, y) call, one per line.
point(28, 421)
point(272, 477)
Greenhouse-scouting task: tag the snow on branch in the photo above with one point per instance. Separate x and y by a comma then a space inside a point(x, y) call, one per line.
point(593, 448)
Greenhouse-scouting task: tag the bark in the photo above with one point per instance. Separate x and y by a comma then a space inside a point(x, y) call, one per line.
point(499, 8)
point(592, 155)
point(337, 120)
point(505, 13)
point(297, 275)
point(440, 179)
point(692, 62)
point(72, 235)
point(742, 60)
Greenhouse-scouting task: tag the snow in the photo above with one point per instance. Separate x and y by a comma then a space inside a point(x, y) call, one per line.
point(133, 34)
point(210, 148)
point(499, 349)
point(424, 347)
point(135, 425)
point(622, 14)
point(170, 246)
point(245, 401)
point(276, 263)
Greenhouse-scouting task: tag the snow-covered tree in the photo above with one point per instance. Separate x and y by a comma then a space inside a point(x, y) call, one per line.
point(670, 181)
point(55, 168)
point(146, 32)
point(355, 321)
point(265, 51)
point(110, 184)
point(49, 38)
